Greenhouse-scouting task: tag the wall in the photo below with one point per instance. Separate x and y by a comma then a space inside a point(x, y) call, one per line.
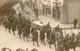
point(73, 11)
point(69, 11)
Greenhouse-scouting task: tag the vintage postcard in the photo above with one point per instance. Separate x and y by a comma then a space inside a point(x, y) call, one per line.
point(39, 25)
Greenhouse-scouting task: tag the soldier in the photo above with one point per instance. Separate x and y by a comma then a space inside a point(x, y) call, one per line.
point(73, 41)
point(10, 19)
point(26, 32)
point(52, 38)
point(57, 28)
point(75, 22)
point(32, 30)
point(60, 30)
point(78, 40)
point(5, 23)
point(48, 28)
point(19, 30)
point(13, 28)
point(35, 37)
point(66, 42)
point(9, 27)
point(48, 34)
point(28, 22)
point(42, 36)
point(48, 25)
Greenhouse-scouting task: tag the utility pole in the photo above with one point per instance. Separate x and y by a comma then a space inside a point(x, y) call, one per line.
point(67, 15)
point(67, 12)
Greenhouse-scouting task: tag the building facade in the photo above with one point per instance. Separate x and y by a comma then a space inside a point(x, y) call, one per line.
point(70, 10)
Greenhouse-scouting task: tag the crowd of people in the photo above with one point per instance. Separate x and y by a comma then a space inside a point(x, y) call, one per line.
point(26, 31)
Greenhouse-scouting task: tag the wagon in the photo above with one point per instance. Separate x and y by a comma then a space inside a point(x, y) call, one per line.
point(36, 25)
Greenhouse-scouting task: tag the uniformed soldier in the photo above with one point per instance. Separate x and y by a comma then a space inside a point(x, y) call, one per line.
point(60, 30)
point(48, 29)
point(19, 30)
point(24, 33)
point(48, 25)
point(52, 39)
point(9, 27)
point(48, 34)
point(66, 42)
point(13, 28)
point(73, 41)
point(57, 28)
point(42, 36)
point(78, 40)
point(35, 37)
point(32, 30)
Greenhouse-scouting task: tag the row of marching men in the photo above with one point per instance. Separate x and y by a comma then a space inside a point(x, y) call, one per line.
point(53, 37)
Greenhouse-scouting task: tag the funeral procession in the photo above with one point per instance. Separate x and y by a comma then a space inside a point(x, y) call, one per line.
point(39, 25)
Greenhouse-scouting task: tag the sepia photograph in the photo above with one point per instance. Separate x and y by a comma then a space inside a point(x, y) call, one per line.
point(39, 25)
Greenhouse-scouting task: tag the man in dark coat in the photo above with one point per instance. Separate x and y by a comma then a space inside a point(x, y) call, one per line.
point(75, 22)
point(66, 42)
point(73, 41)
point(48, 25)
point(13, 28)
point(48, 29)
point(42, 36)
point(35, 37)
point(48, 34)
point(52, 38)
point(24, 33)
point(57, 28)
point(10, 19)
point(78, 40)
